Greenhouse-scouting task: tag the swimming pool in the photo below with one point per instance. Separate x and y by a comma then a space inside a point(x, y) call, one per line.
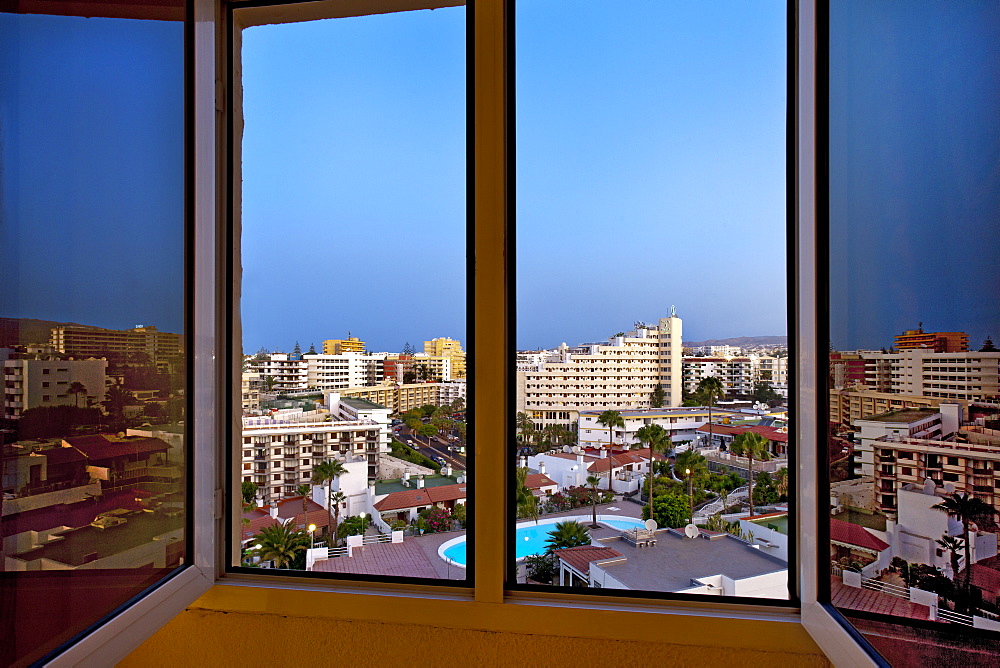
point(531, 537)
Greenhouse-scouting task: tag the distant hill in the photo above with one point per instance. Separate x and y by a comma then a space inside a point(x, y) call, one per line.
point(22, 331)
point(741, 341)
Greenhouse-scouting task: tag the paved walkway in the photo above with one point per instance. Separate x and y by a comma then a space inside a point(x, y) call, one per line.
point(868, 600)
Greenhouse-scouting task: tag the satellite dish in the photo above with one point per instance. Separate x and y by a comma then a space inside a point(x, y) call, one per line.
point(650, 525)
point(691, 531)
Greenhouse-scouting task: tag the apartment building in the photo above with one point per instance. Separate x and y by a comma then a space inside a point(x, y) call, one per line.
point(450, 349)
point(846, 406)
point(619, 375)
point(939, 425)
point(36, 383)
point(738, 374)
point(399, 397)
point(681, 423)
point(969, 376)
point(433, 367)
point(939, 342)
point(349, 369)
point(279, 456)
point(97, 342)
point(351, 344)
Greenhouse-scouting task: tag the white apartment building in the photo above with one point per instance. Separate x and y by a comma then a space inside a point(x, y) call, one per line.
point(619, 375)
point(681, 423)
point(902, 424)
point(36, 383)
point(279, 456)
point(334, 372)
point(452, 390)
point(969, 376)
point(738, 374)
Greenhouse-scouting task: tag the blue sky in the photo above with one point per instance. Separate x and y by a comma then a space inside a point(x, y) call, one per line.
point(91, 155)
point(914, 170)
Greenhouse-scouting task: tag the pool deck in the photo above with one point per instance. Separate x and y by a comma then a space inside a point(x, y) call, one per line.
point(417, 556)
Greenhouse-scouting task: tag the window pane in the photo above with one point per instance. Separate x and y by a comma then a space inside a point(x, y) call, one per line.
point(650, 190)
point(92, 441)
point(353, 295)
point(914, 400)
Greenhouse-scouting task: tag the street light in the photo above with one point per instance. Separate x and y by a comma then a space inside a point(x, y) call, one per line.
point(312, 538)
point(687, 472)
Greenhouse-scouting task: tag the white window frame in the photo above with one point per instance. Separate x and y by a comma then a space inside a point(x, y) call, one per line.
point(487, 604)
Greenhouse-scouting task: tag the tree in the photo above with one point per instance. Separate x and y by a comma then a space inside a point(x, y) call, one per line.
point(657, 439)
point(117, 398)
point(427, 431)
point(764, 492)
point(567, 534)
point(336, 500)
point(753, 446)
point(412, 421)
point(611, 419)
point(711, 388)
point(967, 509)
point(953, 544)
point(459, 514)
point(312, 349)
point(408, 350)
point(303, 491)
point(763, 392)
point(427, 410)
point(77, 388)
point(269, 382)
point(325, 473)
point(669, 510)
point(280, 544)
point(593, 481)
point(525, 502)
point(297, 350)
point(353, 526)
point(249, 491)
point(541, 567)
point(525, 427)
point(657, 396)
point(690, 460)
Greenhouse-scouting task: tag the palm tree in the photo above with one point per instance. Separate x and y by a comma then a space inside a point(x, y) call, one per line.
point(77, 388)
point(711, 388)
point(303, 490)
point(280, 543)
point(611, 419)
point(953, 544)
point(525, 427)
point(657, 439)
point(753, 446)
point(967, 509)
point(526, 502)
point(567, 534)
point(593, 481)
point(325, 473)
point(336, 500)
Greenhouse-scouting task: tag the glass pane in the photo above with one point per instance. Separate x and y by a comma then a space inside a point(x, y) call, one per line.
point(914, 400)
point(92, 333)
point(353, 448)
point(650, 189)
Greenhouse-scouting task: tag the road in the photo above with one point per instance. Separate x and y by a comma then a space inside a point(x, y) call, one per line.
point(435, 448)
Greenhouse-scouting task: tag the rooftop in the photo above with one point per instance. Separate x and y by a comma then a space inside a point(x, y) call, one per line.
point(361, 404)
point(902, 416)
point(396, 484)
point(674, 562)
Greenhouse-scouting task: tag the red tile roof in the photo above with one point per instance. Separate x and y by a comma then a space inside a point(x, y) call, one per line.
point(631, 457)
point(986, 575)
point(259, 519)
point(770, 433)
point(105, 446)
point(414, 498)
point(855, 536)
point(581, 557)
point(57, 456)
point(291, 509)
point(538, 480)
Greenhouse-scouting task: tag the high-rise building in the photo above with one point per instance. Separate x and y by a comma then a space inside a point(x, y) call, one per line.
point(351, 344)
point(94, 342)
point(939, 342)
point(38, 383)
point(449, 349)
point(621, 374)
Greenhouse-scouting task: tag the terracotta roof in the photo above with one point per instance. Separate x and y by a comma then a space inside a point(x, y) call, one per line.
point(292, 507)
point(581, 557)
point(413, 498)
point(105, 446)
point(986, 574)
point(770, 433)
point(631, 457)
point(856, 536)
point(57, 456)
point(538, 480)
point(259, 519)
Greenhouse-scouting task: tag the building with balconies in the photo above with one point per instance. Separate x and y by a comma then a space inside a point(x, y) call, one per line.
point(31, 384)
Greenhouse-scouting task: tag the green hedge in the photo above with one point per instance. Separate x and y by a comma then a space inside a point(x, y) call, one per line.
point(403, 451)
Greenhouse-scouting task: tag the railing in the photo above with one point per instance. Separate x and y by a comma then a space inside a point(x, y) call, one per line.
point(334, 552)
point(886, 588)
point(372, 540)
point(955, 617)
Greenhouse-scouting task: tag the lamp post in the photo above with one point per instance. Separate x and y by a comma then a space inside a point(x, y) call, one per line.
point(687, 472)
point(312, 537)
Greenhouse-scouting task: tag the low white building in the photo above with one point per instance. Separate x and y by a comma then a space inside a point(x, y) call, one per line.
point(681, 423)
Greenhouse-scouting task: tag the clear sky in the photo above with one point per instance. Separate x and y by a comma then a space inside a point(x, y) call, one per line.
point(92, 160)
point(914, 170)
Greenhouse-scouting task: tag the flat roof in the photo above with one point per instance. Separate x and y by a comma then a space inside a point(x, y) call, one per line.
point(902, 415)
point(361, 404)
point(396, 484)
point(674, 561)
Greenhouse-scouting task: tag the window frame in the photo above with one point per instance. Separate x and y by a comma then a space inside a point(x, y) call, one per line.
point(488, 605)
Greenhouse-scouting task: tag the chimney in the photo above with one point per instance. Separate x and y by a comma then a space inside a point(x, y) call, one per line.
point(273, 511)
point(579, 460)
point(541, 467)
point(420, 482)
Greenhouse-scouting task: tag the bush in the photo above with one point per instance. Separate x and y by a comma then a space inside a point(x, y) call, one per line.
point(669, 510)
point(436, 519)
point(458, 514)
point(541, 567)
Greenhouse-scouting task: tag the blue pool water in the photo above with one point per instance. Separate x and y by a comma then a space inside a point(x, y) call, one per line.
point(531, 538)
